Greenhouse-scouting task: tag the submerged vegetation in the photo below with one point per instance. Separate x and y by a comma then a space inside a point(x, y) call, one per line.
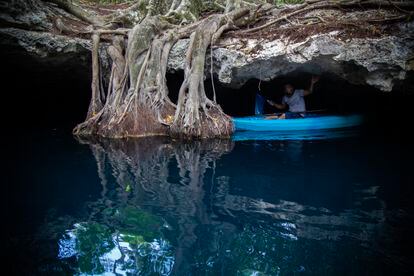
point(95, 248)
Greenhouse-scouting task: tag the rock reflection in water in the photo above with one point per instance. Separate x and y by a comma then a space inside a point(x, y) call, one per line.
point(167, 208)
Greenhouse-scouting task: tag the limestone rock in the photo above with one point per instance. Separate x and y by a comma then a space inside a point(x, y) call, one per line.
point(384, 62)
point(379, 62)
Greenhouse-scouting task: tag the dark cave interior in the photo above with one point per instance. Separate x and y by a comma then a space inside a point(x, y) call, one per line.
point(45, 94)
point(56, 95)
point(331, 95)
point(241, 101)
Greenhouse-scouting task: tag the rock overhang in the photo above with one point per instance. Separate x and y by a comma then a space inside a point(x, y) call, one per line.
point(378, 62)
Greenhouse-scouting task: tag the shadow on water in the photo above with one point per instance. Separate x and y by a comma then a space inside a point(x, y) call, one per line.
point(224, 207)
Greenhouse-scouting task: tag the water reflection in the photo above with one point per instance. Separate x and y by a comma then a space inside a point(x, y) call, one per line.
point(152, 191)
point(303, 135)
point(203, 207)
point(97, 249)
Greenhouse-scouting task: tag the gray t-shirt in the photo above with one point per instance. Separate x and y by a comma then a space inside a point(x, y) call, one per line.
point(296, 102)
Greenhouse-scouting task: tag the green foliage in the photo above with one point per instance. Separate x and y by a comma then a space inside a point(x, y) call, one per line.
point(111, 1)
point(128, 188)
point(139, 229)
point(281, 2)
point(93, 240)
point(196, 7)
point(133, 221)
point(133, 240)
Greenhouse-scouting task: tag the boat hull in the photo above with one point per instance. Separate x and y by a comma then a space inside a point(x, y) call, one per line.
point(317, 122)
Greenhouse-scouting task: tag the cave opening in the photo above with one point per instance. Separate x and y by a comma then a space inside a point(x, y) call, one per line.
point(386, 112)
point(45, 93)
point(55, 93)
point(331, 94)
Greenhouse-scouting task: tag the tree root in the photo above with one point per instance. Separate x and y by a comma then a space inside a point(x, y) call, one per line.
point(196, 115)
point(333, 5)
point(79, 12)
point(96, 103)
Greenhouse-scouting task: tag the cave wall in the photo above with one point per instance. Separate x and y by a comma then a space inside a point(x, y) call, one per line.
point(384, 63)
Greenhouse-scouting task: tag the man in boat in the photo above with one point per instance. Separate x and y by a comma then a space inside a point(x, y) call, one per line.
point(294, 98)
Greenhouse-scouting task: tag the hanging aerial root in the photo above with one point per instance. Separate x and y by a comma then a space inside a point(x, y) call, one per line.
point(196, 115)
point(96, 103)
point(136, 102)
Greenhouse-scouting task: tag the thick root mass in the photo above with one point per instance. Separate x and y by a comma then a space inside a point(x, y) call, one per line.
point(136, 102)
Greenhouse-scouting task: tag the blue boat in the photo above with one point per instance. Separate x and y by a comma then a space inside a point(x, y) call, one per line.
point(309, 122)
point(310, 127)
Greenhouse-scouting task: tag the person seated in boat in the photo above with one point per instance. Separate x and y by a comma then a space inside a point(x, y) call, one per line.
point(294, 99)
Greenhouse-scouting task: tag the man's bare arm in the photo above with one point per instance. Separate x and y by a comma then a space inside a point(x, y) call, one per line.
point(278, 106)
point(309, 91)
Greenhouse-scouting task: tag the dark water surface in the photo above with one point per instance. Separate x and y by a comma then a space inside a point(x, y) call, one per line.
point(217, 207)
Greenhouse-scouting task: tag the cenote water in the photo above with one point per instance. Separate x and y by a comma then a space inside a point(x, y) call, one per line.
point(157, 206)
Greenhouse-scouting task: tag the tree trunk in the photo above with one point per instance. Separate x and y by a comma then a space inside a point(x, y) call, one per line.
point(196, 115)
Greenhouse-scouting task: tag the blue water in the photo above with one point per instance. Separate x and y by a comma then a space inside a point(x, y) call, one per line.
point(156, 206)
